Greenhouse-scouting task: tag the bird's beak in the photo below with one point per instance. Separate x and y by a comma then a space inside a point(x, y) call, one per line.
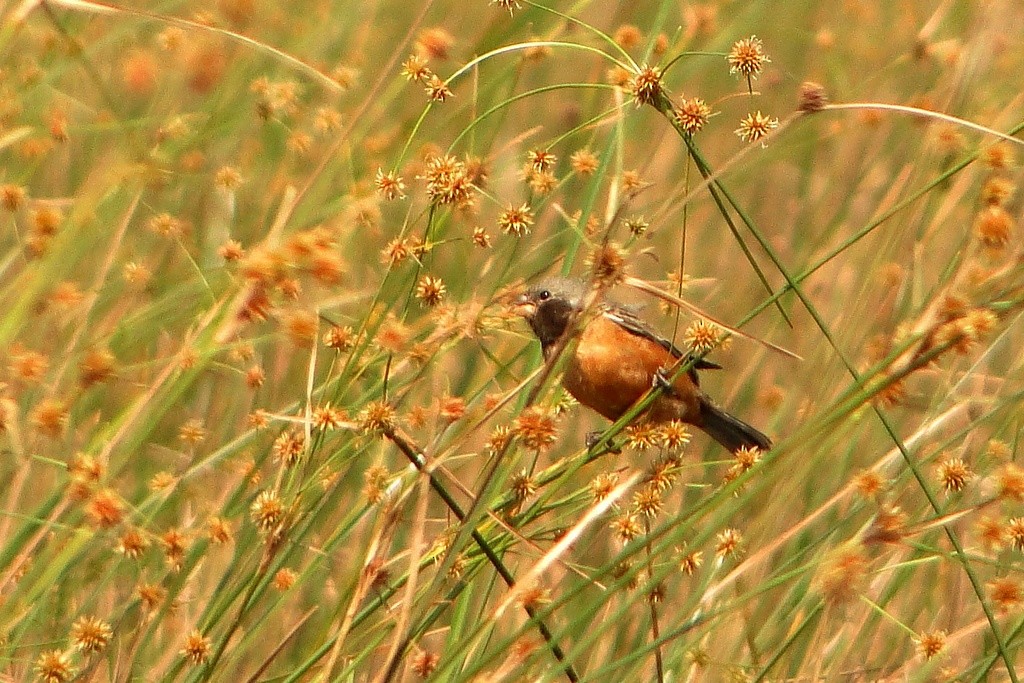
point(523, 306)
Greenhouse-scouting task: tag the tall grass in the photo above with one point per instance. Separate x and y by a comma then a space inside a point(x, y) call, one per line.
point(265, 413)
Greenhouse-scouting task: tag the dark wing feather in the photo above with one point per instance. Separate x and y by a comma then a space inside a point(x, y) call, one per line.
point(630, 322)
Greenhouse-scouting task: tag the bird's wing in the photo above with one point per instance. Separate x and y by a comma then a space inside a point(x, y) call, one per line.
point(630, 322)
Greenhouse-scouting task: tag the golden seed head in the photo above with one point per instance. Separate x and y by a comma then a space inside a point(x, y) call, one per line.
point(46, 221)
point(646, 86)
point(747, 57)
point(192, 432)
point(1015, 533)
point(451, 408)
point(302, 327)
point(29, 366)
point(626, 527)
point(131, 544)
point(584, 162)
point(992, 533)
point(228, 178)
point(607, 265)
point(448, 182)
point(423, 662)
point(105, 509)
point(1010, 482)
point(637, 225)
point(1006, 593)
point(756, 126)
point(151, 595)
point(664, 472)
point(288, 447)
point(536, 428)
point(692, 115)
point(255, 376)
point(197, 648)
point(628, 36)
point(285, 578)
point(377, 416)
point(219, 531)
point(523, 485)
point(516, 221)
point(430, 290)
point(95, 367)
point(390, 185)
point(415, 69)
point(648, 501)
point(267, 511)
point(54, 666)
point(888, 526)
point(931, 644)
point(328, 417)
point(997, 191)
point(438, 90)
point(481, 238)
point(727, 542)
point(543, 182)
point(498, 439)
point(161, 481)
point(954, 474)
point(90, 634)
point(1000, 450)
point(641, 435)
point(166, 225)
point(993, 227)
point(12, 197)
point(691, 562)
point(603, 484)
point(842, 574)
point(541, 160)
point(702, 336)
point(998, 157)
point(893, 394)
point(619, 77)
point(339, 338)
point(49, 417)
point(674, 434)
point(434, 43)
point(174, 544)
point(375, 482)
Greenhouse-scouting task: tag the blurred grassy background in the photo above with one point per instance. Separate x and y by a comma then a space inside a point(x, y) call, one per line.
point(219, 353)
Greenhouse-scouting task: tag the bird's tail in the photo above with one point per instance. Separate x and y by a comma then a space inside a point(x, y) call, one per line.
point(729, 431)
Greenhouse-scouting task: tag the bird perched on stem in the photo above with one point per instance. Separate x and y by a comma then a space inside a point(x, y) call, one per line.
point(618, 358)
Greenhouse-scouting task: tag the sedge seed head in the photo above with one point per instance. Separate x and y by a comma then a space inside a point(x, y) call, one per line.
point(747, 57)
point(197, 647)
point(954, 474)
point(516, 221)
point(756, 126)
point(646, 86)
point(91, 634)
point(692, 115)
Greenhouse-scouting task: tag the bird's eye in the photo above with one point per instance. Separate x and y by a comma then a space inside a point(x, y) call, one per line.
point(544, 295)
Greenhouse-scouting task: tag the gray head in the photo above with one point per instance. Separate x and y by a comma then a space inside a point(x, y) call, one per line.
point(549, 305)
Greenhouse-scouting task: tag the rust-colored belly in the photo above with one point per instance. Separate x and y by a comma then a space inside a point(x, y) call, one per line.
point(612, 368)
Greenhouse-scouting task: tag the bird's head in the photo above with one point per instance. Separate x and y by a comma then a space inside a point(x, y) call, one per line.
point(549, 306)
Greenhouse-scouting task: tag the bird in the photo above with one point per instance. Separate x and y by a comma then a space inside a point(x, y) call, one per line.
point(618, 358)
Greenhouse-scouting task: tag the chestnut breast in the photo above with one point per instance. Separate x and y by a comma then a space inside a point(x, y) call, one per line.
point(612, 368)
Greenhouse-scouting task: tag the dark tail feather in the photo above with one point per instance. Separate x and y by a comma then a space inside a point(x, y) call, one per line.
point(730, 431)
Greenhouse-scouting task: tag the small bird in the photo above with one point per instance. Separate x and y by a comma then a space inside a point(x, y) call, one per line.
point(618, 358)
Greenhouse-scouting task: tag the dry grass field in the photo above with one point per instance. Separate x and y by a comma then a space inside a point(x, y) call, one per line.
point(266, 413)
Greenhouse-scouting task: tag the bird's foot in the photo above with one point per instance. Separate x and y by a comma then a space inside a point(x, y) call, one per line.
point(660, 381)
point(594, 437)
